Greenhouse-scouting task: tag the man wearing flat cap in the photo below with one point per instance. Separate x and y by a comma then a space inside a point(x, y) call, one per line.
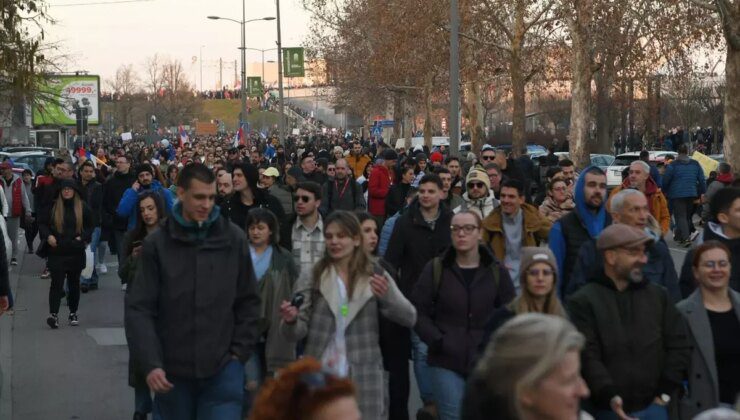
point(637, 347)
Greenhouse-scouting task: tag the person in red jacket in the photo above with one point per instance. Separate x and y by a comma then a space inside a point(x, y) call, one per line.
point(381, 179)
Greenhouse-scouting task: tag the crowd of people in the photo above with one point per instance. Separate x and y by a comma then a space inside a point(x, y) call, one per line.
point(269, 280)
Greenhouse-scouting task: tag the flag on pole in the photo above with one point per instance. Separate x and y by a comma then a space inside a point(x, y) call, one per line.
point(183, 136)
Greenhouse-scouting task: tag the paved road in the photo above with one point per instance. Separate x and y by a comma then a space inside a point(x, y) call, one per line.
point(78, 372)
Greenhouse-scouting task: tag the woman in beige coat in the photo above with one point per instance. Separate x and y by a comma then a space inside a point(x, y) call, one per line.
point(339, 314)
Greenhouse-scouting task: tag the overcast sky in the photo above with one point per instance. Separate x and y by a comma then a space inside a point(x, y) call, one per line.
point(102, 37)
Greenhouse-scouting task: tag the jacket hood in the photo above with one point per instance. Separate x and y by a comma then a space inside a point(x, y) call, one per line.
point(594, 222)
point(716, 228)
point(494, 221)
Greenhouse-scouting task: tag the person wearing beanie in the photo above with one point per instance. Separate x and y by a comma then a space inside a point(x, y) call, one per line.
point(65, 231)
point(622, 315)
point(478, 195)
point(538, 275)
point(421, 168)
point(436, 158)
point(144, 181)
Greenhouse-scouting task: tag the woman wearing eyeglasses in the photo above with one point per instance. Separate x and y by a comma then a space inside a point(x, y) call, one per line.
point(558, 202)
point(454, 297)
point(537, 278)
point(339, 315)
point(712, 313)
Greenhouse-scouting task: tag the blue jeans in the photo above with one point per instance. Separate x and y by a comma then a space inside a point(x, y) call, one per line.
point(93, 280)
point(448, 388)
point(652, 412)
point(219, 397)
point(419, 352)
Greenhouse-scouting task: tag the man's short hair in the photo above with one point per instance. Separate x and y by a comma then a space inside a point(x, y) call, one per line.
point(441, 170)
point(617, 203)
point(493, 166)
point(431, 178)
point(725, 168)
point(451, 158)
point(85, 163)
point(644, 155)
point(197, 171)
point(514, 183)
point(566, 162)
point(683, 149)
point(642, 164)
point(595, 170)
point(311, 187)
point(722, 200)
point(552, 171)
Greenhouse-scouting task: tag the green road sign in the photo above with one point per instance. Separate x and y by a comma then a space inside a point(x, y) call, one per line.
point(293, 62)
point(254, 86)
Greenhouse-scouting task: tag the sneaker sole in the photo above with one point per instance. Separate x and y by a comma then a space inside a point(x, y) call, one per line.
point(74, 324)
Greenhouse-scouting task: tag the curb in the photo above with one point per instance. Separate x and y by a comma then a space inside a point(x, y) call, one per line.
point(6, 347)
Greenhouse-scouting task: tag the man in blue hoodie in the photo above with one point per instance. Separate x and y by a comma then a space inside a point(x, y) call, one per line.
point(144, 181)
point(584, 223)
point(683, 183)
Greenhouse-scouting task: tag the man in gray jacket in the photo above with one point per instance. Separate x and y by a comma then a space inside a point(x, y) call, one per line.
point(192, 316)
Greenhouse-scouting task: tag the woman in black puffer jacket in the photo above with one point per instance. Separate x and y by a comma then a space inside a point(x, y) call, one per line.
point(65, 232)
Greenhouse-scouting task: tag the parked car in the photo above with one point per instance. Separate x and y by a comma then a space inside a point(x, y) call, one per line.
point(26, 160)
point(614, 171)
point(719, 157)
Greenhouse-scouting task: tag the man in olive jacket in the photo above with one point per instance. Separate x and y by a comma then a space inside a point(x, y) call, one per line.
point(637, 346)
point(193, 312)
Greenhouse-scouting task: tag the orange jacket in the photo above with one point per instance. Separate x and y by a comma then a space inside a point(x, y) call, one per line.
point(656, 201)
point(357, 163)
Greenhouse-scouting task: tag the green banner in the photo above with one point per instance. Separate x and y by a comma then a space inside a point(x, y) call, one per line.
point(254, 86)
point(60, 95)
point(293, 62)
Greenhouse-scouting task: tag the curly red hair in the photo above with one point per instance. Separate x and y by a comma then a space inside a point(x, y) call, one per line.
point(288, 397)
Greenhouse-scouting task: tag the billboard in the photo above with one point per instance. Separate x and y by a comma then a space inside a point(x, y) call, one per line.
point(254, 86)
point(293, 62)
point(62, 94)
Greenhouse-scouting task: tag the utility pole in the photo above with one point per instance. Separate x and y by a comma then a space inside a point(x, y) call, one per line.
point(201, 67)
point(243, 90)
point(235, 76)
point(454, 79)
point(281, 120)
point(220, 73)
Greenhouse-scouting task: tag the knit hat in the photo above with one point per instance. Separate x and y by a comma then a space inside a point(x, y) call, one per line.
point(69, 183)
point(436, 157)
point(271, 172)
point(532, 255)
point(144, 168)
point(478, 175)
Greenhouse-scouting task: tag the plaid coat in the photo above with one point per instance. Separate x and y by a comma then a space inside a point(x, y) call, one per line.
point(316, 321)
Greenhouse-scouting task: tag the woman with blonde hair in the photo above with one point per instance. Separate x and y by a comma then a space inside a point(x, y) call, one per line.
point(537, 278)
point(65, 232)
point(337, 309)
point(530, 370)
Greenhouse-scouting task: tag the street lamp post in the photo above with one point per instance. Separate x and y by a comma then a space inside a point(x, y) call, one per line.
point(281, 121)
point(243, 22)
point(263, 59)
point(200, 58)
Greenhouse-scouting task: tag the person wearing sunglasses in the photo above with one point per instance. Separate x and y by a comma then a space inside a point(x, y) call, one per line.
point(537, 279)
point(455, 296)
point(712, 313)
point(478, 195)
point(304, 234)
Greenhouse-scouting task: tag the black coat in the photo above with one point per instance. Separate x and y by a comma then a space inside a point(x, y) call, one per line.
point(113, 190)
point(238, 211)
point(451, 319)
point(413, 243)
point(93, 193)
point(69, 254)
point(195, 301)
point(396, 198)
point(637, 343)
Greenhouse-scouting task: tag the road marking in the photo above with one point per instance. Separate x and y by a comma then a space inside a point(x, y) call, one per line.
point(108, 336)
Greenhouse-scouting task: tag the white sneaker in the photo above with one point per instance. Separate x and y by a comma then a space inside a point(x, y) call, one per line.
point(102, 269)
point(124, 287)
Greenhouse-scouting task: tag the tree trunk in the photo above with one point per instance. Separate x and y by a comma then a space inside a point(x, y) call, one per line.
point(732, 106)
point(475, 114)
point(519, 111)
point(604, 110)
point(428, 112)
point(408, 113)
point(580, 94)
point(397, 115)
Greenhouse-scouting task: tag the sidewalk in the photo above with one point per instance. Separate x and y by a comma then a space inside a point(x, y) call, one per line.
point(69, 373)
